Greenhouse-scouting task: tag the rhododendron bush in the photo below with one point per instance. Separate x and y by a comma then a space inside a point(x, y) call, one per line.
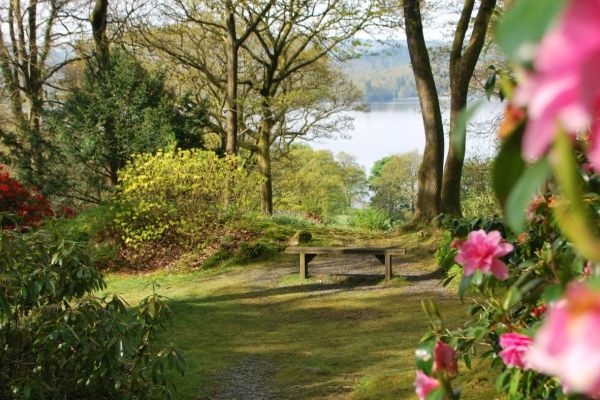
point(533, 283)
point(19, 206)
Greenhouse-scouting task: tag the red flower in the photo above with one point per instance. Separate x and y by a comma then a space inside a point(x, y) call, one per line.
point(15, 199)
point(444, 359)
point(539, 310)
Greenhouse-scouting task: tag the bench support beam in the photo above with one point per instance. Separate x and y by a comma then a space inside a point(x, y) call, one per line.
point(383, 254)
point(388, 267)
point(304, 260)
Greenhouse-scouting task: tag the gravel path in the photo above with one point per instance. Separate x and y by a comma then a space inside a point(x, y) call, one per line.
point(248, 380)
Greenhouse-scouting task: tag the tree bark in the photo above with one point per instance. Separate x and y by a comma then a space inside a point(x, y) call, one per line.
point(232, 94)
point(99, 21)
point(462, 67)
point(233, 46)
point(431, 171)
point(264, 161)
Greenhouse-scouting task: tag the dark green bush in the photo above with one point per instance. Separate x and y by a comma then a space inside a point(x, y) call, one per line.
point(61, 341)
point(250, 251)
point(301, 237)
point(461, 227)
point(215, 259)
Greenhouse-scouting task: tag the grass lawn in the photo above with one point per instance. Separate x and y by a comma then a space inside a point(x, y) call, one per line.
point(326, 340)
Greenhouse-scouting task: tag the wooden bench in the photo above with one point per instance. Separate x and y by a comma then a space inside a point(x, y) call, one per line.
point(383, 254)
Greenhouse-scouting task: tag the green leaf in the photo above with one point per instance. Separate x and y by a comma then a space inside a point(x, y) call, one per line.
point(525, 24)
point(477, 277)
point(514, 381)
point(437, 394)
point(424, 355)
point(522, 194)
point(460, 129)
point(574, 217)
point(552, 293)
point(464, 284)
point(508, 167)
point(467, 360)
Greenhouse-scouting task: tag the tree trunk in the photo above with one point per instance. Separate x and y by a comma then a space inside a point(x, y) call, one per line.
point(99, 22)
point(232, 82)
point(463, 61)
point(456, 156)
point(264, 162)
point(430, 173)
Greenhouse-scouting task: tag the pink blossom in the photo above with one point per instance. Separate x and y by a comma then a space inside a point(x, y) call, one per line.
point(568, 344)
point(565, 87)
point(482, 251)
point(444, 358)
point(514, 347)
point(425, 384)
point(588, 269)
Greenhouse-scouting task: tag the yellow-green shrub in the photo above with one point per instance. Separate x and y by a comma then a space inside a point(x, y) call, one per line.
point(182, 195)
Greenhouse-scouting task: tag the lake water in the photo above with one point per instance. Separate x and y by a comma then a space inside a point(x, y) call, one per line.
point(394, 128)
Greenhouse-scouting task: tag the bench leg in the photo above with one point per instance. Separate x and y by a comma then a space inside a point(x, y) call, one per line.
point(388, 267)
point(304, 260)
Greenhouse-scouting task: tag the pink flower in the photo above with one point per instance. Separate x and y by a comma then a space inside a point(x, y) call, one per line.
point(588, 269)
point(444, 358)
point(514, 347)
point(565, 87)
point(424, 385)
point(568, 345)
point(482, 251)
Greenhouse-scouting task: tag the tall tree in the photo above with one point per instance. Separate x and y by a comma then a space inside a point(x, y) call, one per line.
point(127, 109)
point(463, 60)
point(193, 21)
point(99, 21)
point(431, 170)
point(32, 38)
point(439, 189)
point(290, 40)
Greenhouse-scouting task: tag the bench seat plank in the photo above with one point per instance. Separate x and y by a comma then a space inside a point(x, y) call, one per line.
point(343, 250)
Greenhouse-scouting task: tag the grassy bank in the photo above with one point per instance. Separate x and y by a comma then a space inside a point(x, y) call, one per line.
point(342, 338)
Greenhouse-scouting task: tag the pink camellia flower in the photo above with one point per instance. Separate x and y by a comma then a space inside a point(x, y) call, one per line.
point(568, 344)
point(514, 347)
point(482, 251)
point(564, 90)
point(444, 359)
point(425, 384)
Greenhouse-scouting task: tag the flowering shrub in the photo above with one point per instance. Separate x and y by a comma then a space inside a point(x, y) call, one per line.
point(181, 196)
point(20, 206)
point(534, 282)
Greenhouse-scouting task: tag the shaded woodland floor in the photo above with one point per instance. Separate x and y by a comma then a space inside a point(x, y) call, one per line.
point(257, 331)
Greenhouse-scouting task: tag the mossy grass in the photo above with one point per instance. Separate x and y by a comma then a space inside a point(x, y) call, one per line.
point(343, 343)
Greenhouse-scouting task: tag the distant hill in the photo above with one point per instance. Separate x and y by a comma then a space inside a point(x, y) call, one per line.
point(384, 74)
